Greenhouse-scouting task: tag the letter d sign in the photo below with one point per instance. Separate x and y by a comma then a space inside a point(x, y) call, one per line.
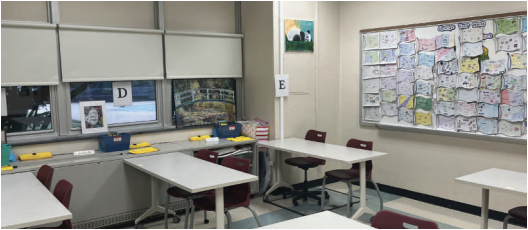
point(282, 84)
point(122, 93)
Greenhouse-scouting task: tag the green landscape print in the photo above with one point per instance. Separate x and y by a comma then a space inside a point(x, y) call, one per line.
point(299, 35)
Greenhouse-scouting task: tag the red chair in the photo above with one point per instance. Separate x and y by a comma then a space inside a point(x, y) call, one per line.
point(203, 154)
point(44, 175)
point(386, 219)
point(235, 196)
point(518, 213)
point(351, 175)
point(306, 163)
point(62, 192)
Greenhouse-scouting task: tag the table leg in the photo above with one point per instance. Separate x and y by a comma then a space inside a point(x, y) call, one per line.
point(278, 178)
point(363, 192)
point(485, 208)
point(154, 196)
point(219, 199)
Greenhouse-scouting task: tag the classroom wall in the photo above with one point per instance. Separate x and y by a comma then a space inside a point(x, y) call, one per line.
point(421, 162)
point(34, 11)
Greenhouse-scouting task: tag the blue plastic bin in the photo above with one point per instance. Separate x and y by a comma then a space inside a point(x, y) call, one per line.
point(229, 130)
point(114, 143)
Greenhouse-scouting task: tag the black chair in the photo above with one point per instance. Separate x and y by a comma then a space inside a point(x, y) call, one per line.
point(518, 213)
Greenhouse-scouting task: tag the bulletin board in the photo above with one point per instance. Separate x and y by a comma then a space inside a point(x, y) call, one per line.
point(462, 76)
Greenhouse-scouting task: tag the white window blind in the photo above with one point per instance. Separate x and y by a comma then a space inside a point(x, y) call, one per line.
point(110, 54)
point(203, 55)
point(29, 54)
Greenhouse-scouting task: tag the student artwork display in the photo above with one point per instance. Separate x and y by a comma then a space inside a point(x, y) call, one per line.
point(371, 113)
point(489, 96)
point(93, 117)
point(472, 49)
point(406, 102)
point(511, 113)
point(517, 61)
point(506, 25)
point(512, 82)
point(523, 21)
point(406, 62)
point(371, 57)
point(469, 65)
point(406, 49)
point(471, 35)
point(388, 56)
point(446, 108)
point(422, 118)
point(490, 81)
point(405, 75)
point(509, 42)
point(468, 124)
point(388, 83)
point(445, 41)
point(513, 129)
point(493, 67)
point(405, 88)
point(371, 86)
point(487, 126)
point(405, 115)
point(513, 98)
point(371, 99)
point(424, 72)
point(447, 67)
point(445, 54)
point(468, 95)
point(424, 103)
point(388, 70)
point(487, 110)
point(388, 95)
point(446, 94)
point(388, 40)
point(389, 109)
point(370, 41)
point(447, 81)
point(371, 71)
point(467, 80)
point(426, 59)
point(425, 44)
point(424, 87)
point(299, 35)
point(466, 109)
point(447, 123)
point(407, 35)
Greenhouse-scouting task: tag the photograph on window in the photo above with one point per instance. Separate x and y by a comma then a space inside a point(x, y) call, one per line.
point(203, 101)
point(93, 118)
point(28, 109)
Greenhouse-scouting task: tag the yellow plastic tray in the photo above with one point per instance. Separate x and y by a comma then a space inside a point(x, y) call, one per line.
point(140, 145)
point(143, 150)
point(35, 156)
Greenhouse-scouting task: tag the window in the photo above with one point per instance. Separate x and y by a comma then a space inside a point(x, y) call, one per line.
point(143, 99)
point(28, 109)
point(203, 101)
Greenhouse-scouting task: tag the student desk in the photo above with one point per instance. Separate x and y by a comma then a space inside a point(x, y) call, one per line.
point(26, 202)
point(188, 173)
point(495, 179)
point(320, 220)
point(327, 152)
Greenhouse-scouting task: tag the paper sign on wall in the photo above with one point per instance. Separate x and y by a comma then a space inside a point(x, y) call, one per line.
point(388, 70)
point(389, 109)
point(472, 35)
point(513, 98)
point(406, 49)
point(446, 94)
point(405, 102)
point(405, 76)
point(506, 25)
point(405, 115)
point(447, 81)
point(468, 124)
point(122, 93)
point(513, 129)
point(388, 95)
point(372, 113)
point(472, 49)
point(405, 89)
point(512, 113)
point(371, 99)
point(445, 40)
point(467, 80)
point(509, 42)
point(371, 85)
point(424, 87)
point(466, 109)
point(487, 110)
point(424, 72)
point(407, 35)
point(489, 96)
point(469, 65)
point(468, 95)
point(517, 61)
point(425, 44)
point(446, 108)
point(490, 81)
point(388, 83)
point(424, 103)
point(447, 123)
point(423, 118)
point(426, 59)
point(513, 82)
point(487, 126)
point(370, 41)
point(282, 85)
point(447, 67)
point(493, 67)
point(388, 40)
point(445, 54)
point(388, 56)
point(371, 71)
point(406, 62)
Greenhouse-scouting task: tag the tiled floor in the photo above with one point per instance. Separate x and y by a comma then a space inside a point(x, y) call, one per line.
point(269, 214)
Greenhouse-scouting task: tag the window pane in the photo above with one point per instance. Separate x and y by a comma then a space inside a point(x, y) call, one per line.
point(203, 101)
point(143, 106)
point(28, 109)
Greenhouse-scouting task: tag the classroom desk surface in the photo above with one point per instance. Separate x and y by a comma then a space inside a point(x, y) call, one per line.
point(26, 202)
point(320, 220)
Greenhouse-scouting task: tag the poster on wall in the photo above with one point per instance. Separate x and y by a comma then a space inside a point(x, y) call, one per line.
point(299, 35)
point(93, 117)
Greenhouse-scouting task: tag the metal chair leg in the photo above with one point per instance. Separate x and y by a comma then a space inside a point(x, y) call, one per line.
point(167, 211)
point(206, 221)
point(349, 185)
point(192, 216)
point(505, 222)
point(379, 194)
point(255, 215)
point(322, 193)
point(228, 219)
point(186, 225)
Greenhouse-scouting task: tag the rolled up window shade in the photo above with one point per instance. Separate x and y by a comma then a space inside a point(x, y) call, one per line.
point(203, 55)
point(110, 54)
point(29, 54)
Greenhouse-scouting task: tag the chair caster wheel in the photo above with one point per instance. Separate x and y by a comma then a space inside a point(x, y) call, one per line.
point(176, 219)
point(319, 203)
point(139, 226)
point(295, 203)
point(206, 221)
point(371, 219)
point(327, 196)
point(265, 199)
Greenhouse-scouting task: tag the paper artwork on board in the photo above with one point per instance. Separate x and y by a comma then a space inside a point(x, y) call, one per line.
point(406, 62)
point(467, 80)
point(489, 96)
point(406, 115)
point(506, 25)
point(405, 101)
point(93, 117)
point(424, 103)
point(472, 49)
point(388, 95)
point(370, 57)
point(471, 35)
point(513, 98)
point(405, 75)
point(447, 123)
point(468, 95)
point(487, 126)
point(469, 65)
point(446, 108)
point(371, 71)
point(511, 113)
point(371, 113)
point(371, 86)
point(446, 94)
point(388, 56)
point(447, 67)
point(299, 35)
point(389, 40)
point(512, 129)
point(424, 87)
point(445, 41)
point(487, 110)
point(388, 70)
point(370, 41)
point(426, 44)
point(388, 83)
point(466, 109)
point(389, 109)
point(523, 21)
point(405, 88)
point(509, 43)
point(512, 82)
point(424, 72)
point(426, 59)
point(371, 99)
point(422, 118)
point(406, 49)
point(445, 54)
point(524, 42)
point(447, 81)
point(493, 67)
point(517, 61)
point(525, 127)
point(407, 35)
point(490, 81)
point(468, 124)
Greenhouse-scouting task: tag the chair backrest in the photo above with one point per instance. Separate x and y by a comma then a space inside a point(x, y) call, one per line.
point(386, 219)
point(241, 192)
point(45, 175)
point(207, 155)
point(314, 135)
point(359, 144)
point(62, 192)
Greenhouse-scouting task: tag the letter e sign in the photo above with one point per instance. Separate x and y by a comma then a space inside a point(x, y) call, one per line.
point(282, 85)
point(122, 93)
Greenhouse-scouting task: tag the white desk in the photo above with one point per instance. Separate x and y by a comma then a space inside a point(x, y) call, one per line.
point(320, 220)
point(327, 152)
point(188, 173)
point(26, 202)
point(495, 179)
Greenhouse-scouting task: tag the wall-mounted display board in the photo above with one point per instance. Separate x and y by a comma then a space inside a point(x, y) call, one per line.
point(462, 77)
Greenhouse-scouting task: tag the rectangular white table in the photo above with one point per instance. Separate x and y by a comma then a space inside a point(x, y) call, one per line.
point(501, 180)
point(26, 202)
point(327, 152)
point(190, 174)
point(320, 220)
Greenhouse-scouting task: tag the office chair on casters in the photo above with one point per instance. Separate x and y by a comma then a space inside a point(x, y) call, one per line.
point(351, 175)
point(62, 192)
point(45, 175)
point(386, 219)
point(306, 163)
point(203, 154)
point(235, 196)
point(518, 213)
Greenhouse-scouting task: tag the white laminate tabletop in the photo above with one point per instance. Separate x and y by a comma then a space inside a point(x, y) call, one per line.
point(189, 173)
point(26, 202)
point(320, 220)
point(322, 150)
point(497, 179)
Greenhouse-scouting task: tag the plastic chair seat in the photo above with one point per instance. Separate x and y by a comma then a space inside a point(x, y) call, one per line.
point(518, 213)
point(208, 202)
point(304, 162)
point(346, 174)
